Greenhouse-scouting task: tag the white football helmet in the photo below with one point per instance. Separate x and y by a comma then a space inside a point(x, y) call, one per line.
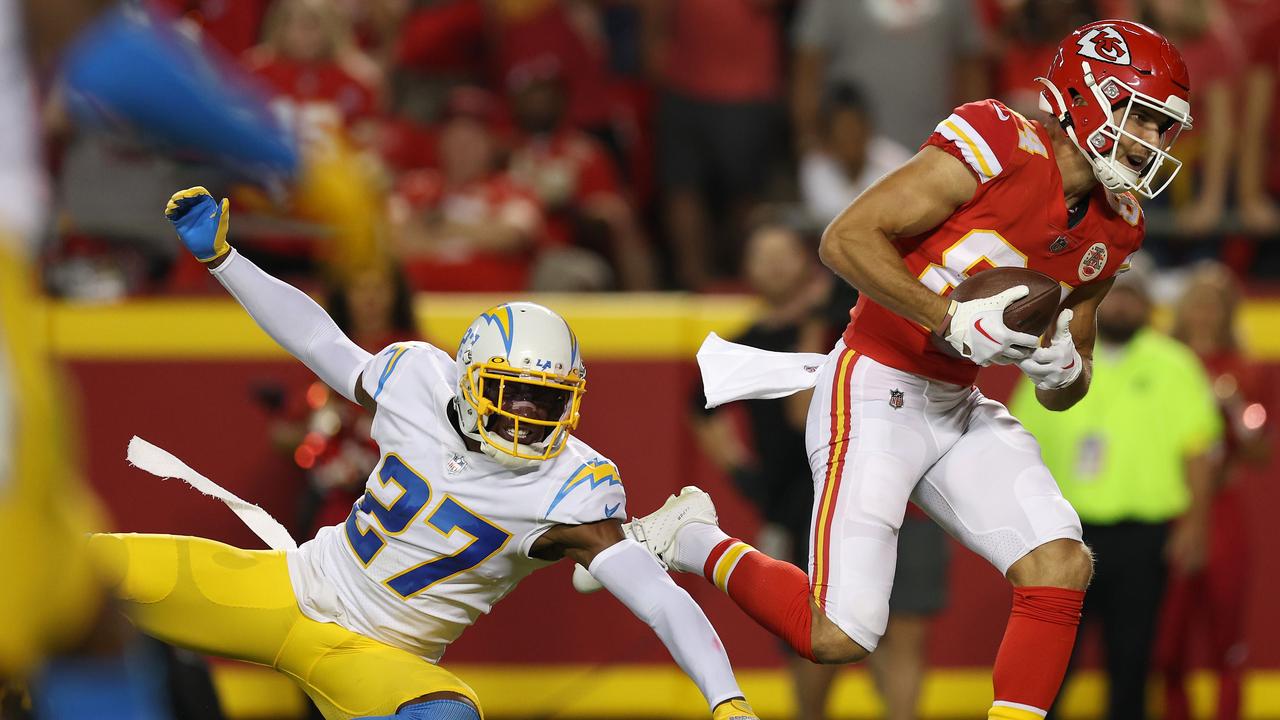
point(520, 382)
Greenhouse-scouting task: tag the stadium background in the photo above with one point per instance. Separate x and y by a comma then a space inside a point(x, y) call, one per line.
point(152, 348)
point(546, 651)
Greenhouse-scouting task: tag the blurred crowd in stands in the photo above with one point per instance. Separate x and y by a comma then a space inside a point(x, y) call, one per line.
point(577, 145)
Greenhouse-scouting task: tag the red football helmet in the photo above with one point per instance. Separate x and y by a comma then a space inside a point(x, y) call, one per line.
point(1116, 65)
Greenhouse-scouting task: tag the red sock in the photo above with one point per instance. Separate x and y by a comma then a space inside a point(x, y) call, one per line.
point(1037, 646)
point(774, 593)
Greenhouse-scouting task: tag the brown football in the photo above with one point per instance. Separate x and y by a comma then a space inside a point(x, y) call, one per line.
point(1032, 314)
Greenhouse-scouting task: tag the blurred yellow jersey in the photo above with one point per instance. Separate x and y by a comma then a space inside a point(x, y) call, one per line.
point(49, 593)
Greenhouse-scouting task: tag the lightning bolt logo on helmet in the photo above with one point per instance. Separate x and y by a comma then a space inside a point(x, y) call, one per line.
point(520, 383)
point(503, 318)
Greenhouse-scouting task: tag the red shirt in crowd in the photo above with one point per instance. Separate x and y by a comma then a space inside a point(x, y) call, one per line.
point(455, 266)
point(233, 25)
point(406, 145)
point(1257, 30)
point(532, 29)
point(1257, 27)
point(724, 50)
point(444, 38)
point(1212, 57)
point(1020, 65)
point(564, 170)
point(314, 94)
point(1241, 389)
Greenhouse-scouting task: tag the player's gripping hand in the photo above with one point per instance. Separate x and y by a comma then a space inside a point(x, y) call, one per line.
point(736, 709)
point(977, 330)
point(201, 222)
point(1056, 366)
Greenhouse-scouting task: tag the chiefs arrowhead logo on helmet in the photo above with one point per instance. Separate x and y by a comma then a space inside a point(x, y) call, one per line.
point(1106, 44)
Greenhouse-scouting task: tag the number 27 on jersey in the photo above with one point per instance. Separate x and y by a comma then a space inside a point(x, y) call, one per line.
point(389, 520)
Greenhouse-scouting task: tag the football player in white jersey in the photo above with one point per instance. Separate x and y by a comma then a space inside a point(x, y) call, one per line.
point(481, 482)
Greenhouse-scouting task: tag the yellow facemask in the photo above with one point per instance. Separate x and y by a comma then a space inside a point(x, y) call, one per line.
point(496, 370)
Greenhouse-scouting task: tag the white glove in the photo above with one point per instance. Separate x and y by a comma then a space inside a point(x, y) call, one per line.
point(1058, 365)
point(977, 330)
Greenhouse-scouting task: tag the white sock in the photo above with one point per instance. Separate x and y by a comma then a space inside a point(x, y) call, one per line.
point(694, 543)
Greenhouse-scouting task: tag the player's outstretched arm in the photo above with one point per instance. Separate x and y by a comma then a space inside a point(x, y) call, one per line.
point(291, 318)
point(634, 577)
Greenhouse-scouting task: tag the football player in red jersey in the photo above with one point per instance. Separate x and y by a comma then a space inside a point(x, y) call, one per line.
point(895, 418)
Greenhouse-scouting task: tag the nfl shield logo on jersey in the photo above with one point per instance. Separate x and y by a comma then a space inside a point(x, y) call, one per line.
point(896, 399)
point(1059, 244)
point(455, 464)
point(1095, 258)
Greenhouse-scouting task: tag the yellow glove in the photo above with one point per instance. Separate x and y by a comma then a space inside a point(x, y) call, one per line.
point(201, 223)
point(736, 709)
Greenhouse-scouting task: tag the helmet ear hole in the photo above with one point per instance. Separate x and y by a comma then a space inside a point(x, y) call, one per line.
point(1077, 100)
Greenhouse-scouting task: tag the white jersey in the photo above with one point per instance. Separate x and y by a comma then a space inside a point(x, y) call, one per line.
point(441, 533)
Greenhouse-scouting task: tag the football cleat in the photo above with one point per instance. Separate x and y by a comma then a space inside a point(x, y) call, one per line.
point(737, 709)
point(657, 532)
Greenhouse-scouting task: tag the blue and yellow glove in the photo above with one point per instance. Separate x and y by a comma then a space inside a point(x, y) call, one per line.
point(737, 709)
point(201, 223)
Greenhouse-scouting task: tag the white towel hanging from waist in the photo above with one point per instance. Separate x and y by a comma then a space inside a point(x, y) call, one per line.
point(731, 371)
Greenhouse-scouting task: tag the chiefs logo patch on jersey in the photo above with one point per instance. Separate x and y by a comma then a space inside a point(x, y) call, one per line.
point(1095, 258)
point(1106, 44)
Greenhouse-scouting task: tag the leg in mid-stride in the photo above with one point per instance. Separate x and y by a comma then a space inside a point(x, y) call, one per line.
point(879, 437)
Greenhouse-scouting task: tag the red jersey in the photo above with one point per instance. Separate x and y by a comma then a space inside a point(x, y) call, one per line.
point(528, 30)
point(724, 50)
point(233, 25)
point(1016, 218)
point(314, 96)
point(565, 168)
point(1242, 392)
point(565, 171)
point(457, 266)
